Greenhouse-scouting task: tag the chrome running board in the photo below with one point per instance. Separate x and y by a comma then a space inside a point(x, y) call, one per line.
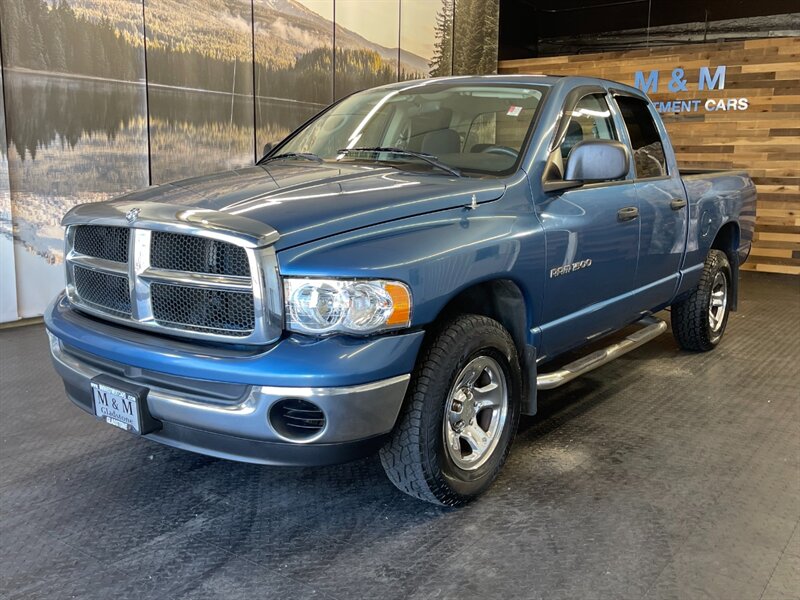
point(653, 328)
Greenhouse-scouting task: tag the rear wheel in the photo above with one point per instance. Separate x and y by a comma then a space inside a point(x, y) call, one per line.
point(461, 413)
point(699, 320)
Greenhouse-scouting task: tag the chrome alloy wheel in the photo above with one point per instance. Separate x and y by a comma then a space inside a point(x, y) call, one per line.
point(719, 302)
point(475, 413)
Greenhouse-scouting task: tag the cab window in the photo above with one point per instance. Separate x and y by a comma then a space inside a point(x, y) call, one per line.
point(648, 151)
point(590, 120)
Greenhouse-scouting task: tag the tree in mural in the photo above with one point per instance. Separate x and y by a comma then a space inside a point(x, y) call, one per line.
point(442, 61)
point(358, 69)
point(42, 37)
point(306, 78)
point(476, 26)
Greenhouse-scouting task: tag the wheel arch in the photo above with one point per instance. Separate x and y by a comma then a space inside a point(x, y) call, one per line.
point(504, 301)
point(727, 241)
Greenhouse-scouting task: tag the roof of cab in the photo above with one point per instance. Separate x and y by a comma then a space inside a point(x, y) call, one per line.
point(478, 79)
point(511, 78)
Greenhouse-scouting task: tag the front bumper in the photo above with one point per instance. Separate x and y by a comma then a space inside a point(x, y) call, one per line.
point(229, 419)
point(295, 361)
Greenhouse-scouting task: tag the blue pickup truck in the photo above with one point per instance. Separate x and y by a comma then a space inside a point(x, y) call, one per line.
point(396, 276)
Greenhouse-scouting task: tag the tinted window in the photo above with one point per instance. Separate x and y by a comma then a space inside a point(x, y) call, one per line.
point(590, 120)
point(648, 151)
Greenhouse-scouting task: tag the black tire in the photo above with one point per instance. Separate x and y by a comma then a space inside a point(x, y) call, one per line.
point(415, 457)
point(691, 323)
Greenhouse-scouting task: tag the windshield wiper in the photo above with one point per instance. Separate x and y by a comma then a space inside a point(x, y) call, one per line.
point(424, 156)
point(303, 155)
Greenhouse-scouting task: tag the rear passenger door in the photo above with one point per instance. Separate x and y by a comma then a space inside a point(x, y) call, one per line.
point(592, 239)
point(663, 209)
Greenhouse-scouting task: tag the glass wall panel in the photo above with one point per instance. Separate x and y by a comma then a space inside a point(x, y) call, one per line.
point(76, 123)
point(367, 44)
point(200, 86)
point(8, 284)
point(294, 64)
point(426, 38)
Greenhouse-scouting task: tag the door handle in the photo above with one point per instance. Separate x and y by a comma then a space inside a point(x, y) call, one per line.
point(628, 213)
point(677, 204)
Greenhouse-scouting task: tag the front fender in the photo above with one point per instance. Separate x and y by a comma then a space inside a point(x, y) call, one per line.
point(437, 255)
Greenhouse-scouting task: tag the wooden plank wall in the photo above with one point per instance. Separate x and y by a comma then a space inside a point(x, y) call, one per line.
point(765, 139)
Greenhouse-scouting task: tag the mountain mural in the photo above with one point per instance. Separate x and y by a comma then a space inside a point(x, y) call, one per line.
point(82, 126)
point(292, 28)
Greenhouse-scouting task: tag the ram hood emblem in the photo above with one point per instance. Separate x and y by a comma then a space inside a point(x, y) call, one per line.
point(132, 215)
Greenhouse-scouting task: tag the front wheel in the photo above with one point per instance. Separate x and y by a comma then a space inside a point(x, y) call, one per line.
point(460, 416)
point(699, 320)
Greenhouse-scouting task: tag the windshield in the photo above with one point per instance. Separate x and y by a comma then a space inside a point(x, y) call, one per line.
point(470, 128)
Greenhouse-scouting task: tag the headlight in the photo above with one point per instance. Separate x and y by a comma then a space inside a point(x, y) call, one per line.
point(321, 306)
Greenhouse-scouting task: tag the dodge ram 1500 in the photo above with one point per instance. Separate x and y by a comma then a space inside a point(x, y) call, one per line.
point(395, 277)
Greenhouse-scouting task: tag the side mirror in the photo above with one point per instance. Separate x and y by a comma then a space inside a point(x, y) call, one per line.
point(267, 147)
point(597, 160)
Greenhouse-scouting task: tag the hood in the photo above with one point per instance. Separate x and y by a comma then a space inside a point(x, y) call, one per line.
point(307, 201)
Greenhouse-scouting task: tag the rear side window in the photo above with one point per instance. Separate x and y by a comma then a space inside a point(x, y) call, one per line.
point(648, 151)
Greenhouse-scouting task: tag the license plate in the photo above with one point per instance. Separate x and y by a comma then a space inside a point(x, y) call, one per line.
point(117, 407)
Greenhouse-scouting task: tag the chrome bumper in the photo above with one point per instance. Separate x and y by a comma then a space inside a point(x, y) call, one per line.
point(240, 430)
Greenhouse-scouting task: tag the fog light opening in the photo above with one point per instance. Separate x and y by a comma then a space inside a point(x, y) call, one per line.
point(296, 420)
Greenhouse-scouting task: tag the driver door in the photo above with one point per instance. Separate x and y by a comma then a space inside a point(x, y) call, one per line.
point(592, 241)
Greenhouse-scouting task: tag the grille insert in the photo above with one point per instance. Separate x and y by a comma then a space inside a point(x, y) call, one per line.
point(101, 241)
point(198, 255)
point(203, 309)
point(109, 292)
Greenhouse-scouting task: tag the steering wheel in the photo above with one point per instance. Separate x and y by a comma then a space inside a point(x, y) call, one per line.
point(501, 150)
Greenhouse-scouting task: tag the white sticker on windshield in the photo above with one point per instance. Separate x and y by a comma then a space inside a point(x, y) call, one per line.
point(513, 111)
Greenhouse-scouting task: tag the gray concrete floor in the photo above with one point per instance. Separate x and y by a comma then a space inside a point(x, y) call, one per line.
point(662, 475)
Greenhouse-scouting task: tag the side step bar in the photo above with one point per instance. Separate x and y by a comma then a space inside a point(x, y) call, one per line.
point(653, 328)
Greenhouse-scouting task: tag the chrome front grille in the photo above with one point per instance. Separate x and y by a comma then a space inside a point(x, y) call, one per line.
point(201, 281)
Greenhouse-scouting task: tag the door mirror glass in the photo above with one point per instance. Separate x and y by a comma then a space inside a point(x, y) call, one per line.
point(597, 160)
